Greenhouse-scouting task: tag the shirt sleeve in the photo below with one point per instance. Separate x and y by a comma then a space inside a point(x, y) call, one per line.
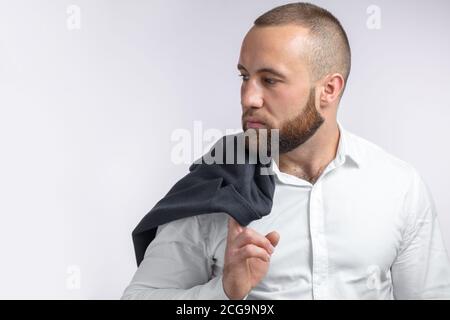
point(422, 268)
point(176, 266)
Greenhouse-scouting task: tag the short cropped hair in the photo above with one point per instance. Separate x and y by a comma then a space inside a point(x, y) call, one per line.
point(330, 48)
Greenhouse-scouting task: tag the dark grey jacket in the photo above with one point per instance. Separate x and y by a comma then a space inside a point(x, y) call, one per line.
point(239, 190)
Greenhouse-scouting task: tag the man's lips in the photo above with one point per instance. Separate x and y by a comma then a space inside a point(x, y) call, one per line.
point(252, 124)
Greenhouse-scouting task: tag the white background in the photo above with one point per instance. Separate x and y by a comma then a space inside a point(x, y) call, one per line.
point(86, 117)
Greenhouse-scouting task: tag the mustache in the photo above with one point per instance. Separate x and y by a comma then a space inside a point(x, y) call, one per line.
point(253, 117)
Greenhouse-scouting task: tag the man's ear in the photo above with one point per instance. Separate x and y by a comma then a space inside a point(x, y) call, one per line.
point(332, 87)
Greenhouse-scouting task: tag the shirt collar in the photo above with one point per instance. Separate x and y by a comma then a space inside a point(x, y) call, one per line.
point(347, 147)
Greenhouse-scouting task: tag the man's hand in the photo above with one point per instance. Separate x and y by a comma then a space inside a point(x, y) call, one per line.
point(247, 258)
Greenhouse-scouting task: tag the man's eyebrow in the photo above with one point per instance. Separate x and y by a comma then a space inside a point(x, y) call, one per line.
point(269, 70)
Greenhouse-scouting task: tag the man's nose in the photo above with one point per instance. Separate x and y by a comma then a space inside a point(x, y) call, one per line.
point(251, 95)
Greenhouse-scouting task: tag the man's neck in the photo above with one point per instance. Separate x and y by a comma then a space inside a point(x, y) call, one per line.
point(308, 160)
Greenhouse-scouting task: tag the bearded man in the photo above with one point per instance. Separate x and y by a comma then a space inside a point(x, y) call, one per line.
point(348, 221)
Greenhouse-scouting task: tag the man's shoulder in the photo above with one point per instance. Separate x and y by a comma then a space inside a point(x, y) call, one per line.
point(395, 175)
point(376, 158)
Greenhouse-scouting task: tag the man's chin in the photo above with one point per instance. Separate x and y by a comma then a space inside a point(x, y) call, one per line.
point(258, 140)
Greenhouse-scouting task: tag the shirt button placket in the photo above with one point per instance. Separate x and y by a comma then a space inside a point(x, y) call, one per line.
point(319, 249)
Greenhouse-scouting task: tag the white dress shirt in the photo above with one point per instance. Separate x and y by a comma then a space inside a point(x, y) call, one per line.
point(367, 229)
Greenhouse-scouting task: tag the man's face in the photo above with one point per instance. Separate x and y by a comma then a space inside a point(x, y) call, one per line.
point(276, 91)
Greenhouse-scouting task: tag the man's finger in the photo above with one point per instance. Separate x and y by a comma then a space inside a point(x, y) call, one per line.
point(251, 236)
point(273, 237)
point(252, 251)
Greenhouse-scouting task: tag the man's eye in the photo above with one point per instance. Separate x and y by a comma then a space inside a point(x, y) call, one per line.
point(244, 77)
point(270, 81)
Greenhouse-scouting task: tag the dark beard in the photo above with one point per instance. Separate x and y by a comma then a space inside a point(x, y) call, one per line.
point(297, 131)
point(294, 132)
